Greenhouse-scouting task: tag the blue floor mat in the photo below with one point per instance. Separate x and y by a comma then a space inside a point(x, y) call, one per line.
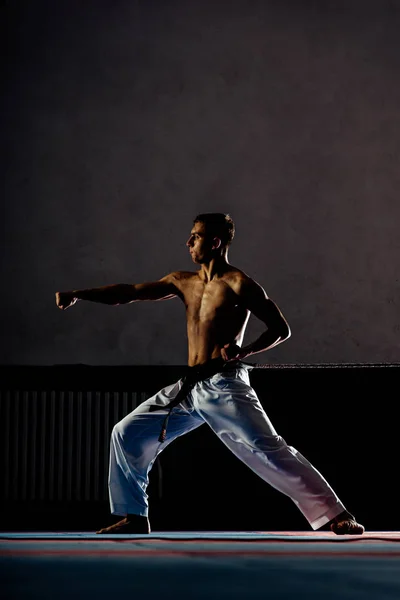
point(200, 565)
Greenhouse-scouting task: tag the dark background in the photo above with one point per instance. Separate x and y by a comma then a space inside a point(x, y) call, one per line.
point(122, 120)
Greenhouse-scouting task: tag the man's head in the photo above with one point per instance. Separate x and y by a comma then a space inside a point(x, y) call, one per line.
point(211, 235)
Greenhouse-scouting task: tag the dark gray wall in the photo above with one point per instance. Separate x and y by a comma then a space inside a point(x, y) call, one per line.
point(122, 120)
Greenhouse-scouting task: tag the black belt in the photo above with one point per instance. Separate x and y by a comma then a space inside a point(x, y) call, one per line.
point(193, 376)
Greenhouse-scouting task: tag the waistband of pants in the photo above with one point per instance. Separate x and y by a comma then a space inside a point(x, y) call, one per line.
point(194, 375)
point(212, 367)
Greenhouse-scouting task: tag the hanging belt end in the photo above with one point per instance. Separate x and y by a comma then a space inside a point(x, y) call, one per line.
point(163, 435)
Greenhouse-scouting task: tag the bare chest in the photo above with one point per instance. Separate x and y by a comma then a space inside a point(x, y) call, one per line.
point(207, 302)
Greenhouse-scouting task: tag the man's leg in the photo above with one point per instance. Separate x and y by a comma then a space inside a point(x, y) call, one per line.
point(230, 406)
point(134, 447)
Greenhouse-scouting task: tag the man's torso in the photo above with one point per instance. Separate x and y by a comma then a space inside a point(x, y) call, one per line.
point(214, 312)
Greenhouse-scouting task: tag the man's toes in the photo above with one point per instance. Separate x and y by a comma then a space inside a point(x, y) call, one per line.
point(347, 527)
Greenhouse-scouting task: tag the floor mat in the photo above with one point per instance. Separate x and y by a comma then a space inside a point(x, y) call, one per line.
point(197, 565)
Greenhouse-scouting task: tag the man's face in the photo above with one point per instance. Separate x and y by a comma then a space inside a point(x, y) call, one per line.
point(200, 246)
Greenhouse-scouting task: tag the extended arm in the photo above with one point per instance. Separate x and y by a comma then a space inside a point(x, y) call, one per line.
point(121, 293)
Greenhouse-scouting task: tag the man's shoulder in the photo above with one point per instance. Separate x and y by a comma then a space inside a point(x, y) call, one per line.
point(237, 276)
point(181, 276)
point(240, 281)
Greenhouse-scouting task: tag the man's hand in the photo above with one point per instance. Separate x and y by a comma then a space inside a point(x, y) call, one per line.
point(232, 351)
point(65, 299)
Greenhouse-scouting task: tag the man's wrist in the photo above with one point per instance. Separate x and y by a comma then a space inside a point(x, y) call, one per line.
point(244, 353)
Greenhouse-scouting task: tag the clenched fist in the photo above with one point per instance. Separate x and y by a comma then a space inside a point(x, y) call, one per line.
point(65, 299)
point(232, 352)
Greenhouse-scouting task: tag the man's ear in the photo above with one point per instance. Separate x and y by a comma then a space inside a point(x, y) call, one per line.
point(216, 243)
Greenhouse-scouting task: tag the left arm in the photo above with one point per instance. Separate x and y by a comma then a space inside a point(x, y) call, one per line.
point(254, 298)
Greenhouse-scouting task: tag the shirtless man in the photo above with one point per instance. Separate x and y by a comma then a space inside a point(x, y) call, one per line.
point(216, 390)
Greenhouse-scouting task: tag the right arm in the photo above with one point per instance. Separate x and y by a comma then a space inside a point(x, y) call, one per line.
point(122, 293)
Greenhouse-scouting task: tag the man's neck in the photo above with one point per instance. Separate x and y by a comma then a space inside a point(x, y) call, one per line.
point(215, 268)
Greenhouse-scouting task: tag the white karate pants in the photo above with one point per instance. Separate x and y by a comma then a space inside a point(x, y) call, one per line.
point(229, 405)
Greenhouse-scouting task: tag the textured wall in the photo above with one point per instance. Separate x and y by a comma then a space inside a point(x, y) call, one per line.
point(122, 120)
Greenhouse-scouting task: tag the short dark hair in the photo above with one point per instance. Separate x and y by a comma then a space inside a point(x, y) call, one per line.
point(218, 225)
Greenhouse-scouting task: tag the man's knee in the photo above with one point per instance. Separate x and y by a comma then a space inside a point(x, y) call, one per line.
point(120, 429)
point(270, 443)
point(126, 434)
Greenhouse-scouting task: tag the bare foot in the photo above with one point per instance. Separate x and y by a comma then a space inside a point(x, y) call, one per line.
point(345, 524)
point(130, 524)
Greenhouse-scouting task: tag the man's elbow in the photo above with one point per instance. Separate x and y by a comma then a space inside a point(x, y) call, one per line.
point(280, 330)
point(285, 332)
